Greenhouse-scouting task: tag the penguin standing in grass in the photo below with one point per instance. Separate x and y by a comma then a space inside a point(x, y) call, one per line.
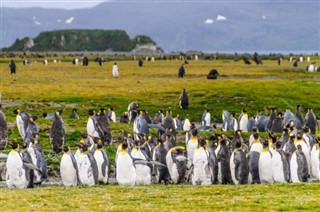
point(289, 147)
point(315, 160)
point(103, 163)
point(272, 117)
point(69, 171)
point(304, 147)
point(57, 133)
point(223, 156)
point(253, 161)
point(143, 172)
point(311, 121)
point(3, 130)
point(22, 120)
point(277, 124)
point(87, 165)
point(39, 161)
point(298, 166)
point(32, 130)
point(16, 175)
point(177, 164)
point(184, 100)
point(91, 124)
point(243, 121)
point(133, 111)
point(239, 165)
point(192, 145)
point(206, 119)
point(159, 155)
point(280, 165)
point(125, 168)
point(262, 122)
point(29, 172)
point(102, 125)
point(74, 114)
point(265, 164)
point(204, 166)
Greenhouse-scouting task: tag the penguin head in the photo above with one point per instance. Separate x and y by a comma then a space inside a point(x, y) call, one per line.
point(202, 142)
point(33, 118)
point(238, 132)
point(194, 132)
point(59, 112)
point(285, 131)
point(299, 147)
point(111, 108)
point(16, 111)
point(65, 149)
point(91, 112)
point(306, 129)
point(244, 110)
point(102, 111)
point(124, 145)
point(84, 135)
point(159, 141)
point(14, 144)
point(280, 114)
point(299, 135)
point(238, 144)
point(265, 143)
point(44, 114)
point(292, 136)
point(74, 110)
point(99, 144)
point(278, 145)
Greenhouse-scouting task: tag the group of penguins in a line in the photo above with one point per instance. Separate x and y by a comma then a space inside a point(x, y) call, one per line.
point(142, 159)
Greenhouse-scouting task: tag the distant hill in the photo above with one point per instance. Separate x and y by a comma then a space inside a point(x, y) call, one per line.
point(183, 25)
point(84, 40)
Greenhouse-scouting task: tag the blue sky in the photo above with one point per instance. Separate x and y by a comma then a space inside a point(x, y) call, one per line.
point(62, 4)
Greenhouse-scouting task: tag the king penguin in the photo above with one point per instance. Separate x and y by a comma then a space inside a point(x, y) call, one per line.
point(3, 130)
point(191, 146)
point(69, 171)
point(159, 154)
point(311, 121)
point(57, 133)
point(204, 167)
point(103, 163)
point(315, 160)
point(143, 172)
point(304, 147)
point(223, 156)
point(280, 165)
point(177, 164)
point(206, 119)
point(39, 161)
point(87, 165)
point(265, 164)
point(253, 161)
point(239, 165)
point(74, 114)
point(22, 119)
point(16, 174)
point(243, 121)
point(298, 166)
point(289, 147)
point(125, 168)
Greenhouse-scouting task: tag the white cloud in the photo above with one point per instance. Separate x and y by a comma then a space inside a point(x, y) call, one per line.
point(59, 20)
point(70, 20)
point(209, 21)
point(221, 18)
point(264, 17)
point(37, 23)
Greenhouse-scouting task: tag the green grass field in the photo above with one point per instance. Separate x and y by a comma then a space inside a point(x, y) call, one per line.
point(37, 88)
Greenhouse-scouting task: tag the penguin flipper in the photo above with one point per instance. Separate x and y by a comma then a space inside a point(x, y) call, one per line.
point(31, 166)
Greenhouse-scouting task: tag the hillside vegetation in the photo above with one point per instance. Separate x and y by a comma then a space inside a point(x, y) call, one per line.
point(79, 40)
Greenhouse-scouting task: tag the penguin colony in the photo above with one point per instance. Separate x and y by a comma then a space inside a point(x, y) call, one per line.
point(144, 159)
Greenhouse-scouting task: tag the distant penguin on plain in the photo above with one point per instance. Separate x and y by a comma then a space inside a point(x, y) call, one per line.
point(57, 133)
point(184, 100)
point(74, 114)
